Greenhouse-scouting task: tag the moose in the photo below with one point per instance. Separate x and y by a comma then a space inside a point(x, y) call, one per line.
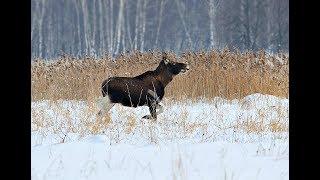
point(146, 89)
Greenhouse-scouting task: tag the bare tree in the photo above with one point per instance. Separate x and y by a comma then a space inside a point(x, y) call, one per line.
point(212, 6)
point(162, 3)
point(101, 27)
point(119, 26)
point(143, 24)
point(93, 27)
point(179, 4)
point(137, 22)
point(40, 20)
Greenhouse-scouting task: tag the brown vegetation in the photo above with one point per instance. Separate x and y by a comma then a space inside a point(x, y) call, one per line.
point(225, 74)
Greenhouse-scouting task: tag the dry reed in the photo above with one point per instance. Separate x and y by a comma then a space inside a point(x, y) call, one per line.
point(216, 73)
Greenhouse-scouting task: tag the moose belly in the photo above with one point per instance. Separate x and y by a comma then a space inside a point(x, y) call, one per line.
point(130, 99)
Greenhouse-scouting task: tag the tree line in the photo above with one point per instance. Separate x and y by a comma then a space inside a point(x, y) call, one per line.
point(100, 27)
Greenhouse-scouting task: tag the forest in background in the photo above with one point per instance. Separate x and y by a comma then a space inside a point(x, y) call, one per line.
point(98, 27)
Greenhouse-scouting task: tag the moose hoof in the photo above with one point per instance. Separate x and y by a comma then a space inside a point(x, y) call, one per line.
point(147, 117)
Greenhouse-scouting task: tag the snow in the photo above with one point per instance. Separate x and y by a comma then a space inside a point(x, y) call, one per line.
point(190, 140)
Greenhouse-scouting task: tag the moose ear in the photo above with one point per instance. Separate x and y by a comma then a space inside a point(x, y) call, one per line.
point(164, 58)
point(166, 61)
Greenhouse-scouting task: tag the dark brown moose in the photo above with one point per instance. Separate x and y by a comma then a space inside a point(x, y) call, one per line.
point(146, 89)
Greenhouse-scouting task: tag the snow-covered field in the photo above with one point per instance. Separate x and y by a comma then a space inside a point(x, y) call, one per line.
point(219, 139)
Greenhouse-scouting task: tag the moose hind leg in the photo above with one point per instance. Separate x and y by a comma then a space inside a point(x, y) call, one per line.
point(152, 109)
point(104, 105)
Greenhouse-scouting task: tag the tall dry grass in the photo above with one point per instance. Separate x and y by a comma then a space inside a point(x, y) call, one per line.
point(216, 73)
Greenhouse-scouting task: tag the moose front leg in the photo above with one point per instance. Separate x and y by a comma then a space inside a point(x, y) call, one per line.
point(153, 112)
point(153, 105)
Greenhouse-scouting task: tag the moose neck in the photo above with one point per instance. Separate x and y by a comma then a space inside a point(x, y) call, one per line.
point(162, 75)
